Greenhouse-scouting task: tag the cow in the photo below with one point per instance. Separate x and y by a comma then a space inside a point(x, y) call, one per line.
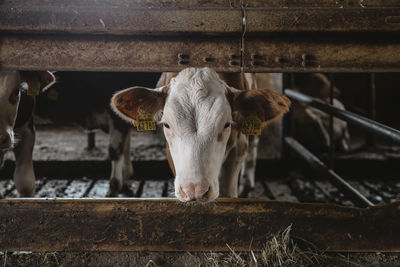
point(82, 98)
point(17, 133)
point(203, 115)
point(310, 125)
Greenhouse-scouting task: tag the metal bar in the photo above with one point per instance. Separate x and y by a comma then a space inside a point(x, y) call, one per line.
point(287, 82)
point(331, 143)
point(372, 105)
point(328, 174)
point(367, 124)
point(168, 225)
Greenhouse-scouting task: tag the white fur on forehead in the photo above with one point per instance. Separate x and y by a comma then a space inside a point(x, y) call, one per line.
point(197, 101)
point(198, 78)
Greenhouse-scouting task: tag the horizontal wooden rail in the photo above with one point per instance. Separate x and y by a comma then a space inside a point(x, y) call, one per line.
point(275, 54)
point(169, 225)
point(229, 36)
point(164, 17)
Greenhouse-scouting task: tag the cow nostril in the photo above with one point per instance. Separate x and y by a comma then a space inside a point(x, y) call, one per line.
point(206, 194)
point(186, 194)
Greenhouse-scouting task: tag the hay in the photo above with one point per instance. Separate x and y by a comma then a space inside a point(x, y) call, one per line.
point(280, 250)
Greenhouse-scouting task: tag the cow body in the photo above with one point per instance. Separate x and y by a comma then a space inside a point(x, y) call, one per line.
point(202, 116)
point(83, 98)
point(311, 125)
point(16, 120)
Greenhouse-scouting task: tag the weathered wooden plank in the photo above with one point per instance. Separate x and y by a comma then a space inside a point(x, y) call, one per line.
point(322, 20)
point(114, 53)
point(168, 225)
point(193, 17)
point(120, 20)
point(326, 53)
point(321, 3)
point(130, 3)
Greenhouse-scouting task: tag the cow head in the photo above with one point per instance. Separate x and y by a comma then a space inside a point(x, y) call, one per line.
point(198, 111)
point(14, 109)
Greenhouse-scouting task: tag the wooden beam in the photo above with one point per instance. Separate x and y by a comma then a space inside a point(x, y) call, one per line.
point(262, 20)
point(321, 3)
point(167, 17)
point(322, 53)
point(168, 225)
point(161, 35)
point(113, 53)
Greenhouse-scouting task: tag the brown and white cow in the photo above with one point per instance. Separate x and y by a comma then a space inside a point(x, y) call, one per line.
point(82, 98)
point(16, 120)
point(311, 125)
point(202, 115)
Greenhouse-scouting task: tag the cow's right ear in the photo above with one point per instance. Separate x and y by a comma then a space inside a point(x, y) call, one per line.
point(130, 102)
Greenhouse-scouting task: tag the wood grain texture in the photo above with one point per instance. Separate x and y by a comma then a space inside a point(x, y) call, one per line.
point(168, 225)
point(116, 53)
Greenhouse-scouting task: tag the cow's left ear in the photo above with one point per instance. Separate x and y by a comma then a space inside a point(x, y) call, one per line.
point(43, 79)
point(133, 101)
point(266, 104)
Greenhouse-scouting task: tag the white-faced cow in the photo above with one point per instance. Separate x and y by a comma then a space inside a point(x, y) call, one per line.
point(16, 125)
point(202, 114)
point(83, 98)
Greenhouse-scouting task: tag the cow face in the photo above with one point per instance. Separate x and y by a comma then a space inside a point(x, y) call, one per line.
point(196, 110)
point(12, 83)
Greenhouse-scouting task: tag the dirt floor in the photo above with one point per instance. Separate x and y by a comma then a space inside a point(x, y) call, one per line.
point(58, 146)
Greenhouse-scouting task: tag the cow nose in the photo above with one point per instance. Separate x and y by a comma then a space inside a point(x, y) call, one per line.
point(195, 192)
point(5, 140)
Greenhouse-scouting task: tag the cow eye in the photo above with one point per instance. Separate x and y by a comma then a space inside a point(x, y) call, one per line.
point(166, 125)
point(227, 125)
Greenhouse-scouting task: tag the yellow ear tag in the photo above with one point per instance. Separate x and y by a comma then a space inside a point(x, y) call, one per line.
point(145, 122)
point(34, 88)
point(252, 125)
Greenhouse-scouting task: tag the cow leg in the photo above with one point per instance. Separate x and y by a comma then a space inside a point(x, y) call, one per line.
point(24, 176)
point(317, 119)
point(249, 167)
point(128, 169)
point(118, 153)
point(231, 168)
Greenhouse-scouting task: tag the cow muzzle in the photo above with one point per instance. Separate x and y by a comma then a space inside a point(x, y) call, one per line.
point(194, 192)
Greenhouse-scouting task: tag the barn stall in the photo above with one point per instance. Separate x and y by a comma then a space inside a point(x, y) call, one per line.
point(337, 37)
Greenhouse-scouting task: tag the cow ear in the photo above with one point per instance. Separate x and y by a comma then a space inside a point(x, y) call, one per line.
point(44, 79)
point(130, 102)
point(266, 104)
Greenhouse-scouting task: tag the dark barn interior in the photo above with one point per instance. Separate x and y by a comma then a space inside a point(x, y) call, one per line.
point(329, 169)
